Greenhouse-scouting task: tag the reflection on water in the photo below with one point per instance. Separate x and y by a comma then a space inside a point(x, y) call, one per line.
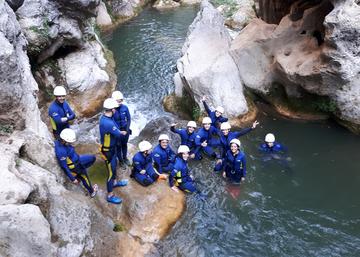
point(306, 204)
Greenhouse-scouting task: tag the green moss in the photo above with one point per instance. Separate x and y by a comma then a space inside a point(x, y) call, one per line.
point(6, 128)
point(119, 227)
point(98, 173)
point(231, 5)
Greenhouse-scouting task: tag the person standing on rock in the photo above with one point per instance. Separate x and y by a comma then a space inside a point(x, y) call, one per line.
point(188, 136)
point(163, 155)
point(215, 116)
point(143, 170)
point(123, 120)
point(109, 134)
point(234, 163)
point(204, 139)
point(74, 165)
point(180, 175)
point(60, 112)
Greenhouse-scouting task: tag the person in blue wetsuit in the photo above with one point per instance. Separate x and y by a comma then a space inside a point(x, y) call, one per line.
point(226, 135)
point(163, 155)
point(204, 139)
point(143, 170)
point(234, 163)
point(180, 175)
point(123, 120)
point(60, 112)
point(109, 134)
point(74, 165)
point(271, 146)
point(188, 136)
point(215, 116)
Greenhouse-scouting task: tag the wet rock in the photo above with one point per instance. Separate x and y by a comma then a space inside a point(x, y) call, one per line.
point(208, 69)
point(24, 231)
point(14, 4)
point(165, 4)
point(190, 2)
point(316, 54)
point(125, 9)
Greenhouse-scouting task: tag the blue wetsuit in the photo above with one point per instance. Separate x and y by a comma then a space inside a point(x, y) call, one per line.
point(276, 148)
point(235, 166)
point(180, 176)
point(187, 139)
point(141, 162)
point(163, 159)
point(123, 120)
point(207, 135)
point(214, 120)
point(225, 140)
point(109, 134)
point(74, 165)
point(58, 111)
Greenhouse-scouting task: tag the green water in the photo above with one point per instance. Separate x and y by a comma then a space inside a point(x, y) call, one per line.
point(307, 205)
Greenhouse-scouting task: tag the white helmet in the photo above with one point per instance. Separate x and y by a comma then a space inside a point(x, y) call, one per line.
point(191, 124)
point(68, 135)
point(225, 125)
point(270, 138)
point(235, 141)
point(144, 146)
point(164, 137)
point(117, 95)
point(183, 149)
point(206, 120)
point(59, 91)
point(110, 103)
point(220, 109)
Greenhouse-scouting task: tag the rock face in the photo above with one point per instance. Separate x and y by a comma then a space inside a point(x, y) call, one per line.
point(88, 70)
point(125, 9)
point(207, 68)
point(317, 54)
point(18, 103)
point(103, 18)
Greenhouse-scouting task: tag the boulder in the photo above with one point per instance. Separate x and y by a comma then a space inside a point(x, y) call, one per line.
point(207, 68)
point(314, 55)
point(103, 18)
point(24, 232)
point(165, 4)
point(244, 14)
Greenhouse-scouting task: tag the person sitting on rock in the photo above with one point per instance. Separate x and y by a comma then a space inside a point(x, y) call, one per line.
point(271, 146)
point(74, 165)
point(215, 116)
point(163, 155)
point(60, 112)
point(234, 162)
point(188, 137)
point(123, 120)
point(109, 134)
point(180, 175)
point(226, 135)
point(143, 170)
point(204, 138)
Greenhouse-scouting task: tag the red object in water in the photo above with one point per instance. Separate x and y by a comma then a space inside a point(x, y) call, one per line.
point(233, 190)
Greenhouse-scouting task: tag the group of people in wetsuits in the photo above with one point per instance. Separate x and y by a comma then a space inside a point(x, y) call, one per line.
point(149, 165)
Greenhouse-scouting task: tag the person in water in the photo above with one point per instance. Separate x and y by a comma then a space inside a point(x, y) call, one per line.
point(60, 112)
point(215, 116)
point(188, 137)
point(74, 165)
point(271, 146)
point(180, 175)
point(109, 134)
point(234, 162)
point(163, 155)
point(143, 170)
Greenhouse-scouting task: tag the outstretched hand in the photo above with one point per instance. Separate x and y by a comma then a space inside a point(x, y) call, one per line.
point(255, 124)
point(204, 98)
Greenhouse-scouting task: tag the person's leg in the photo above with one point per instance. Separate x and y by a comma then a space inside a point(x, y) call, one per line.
point(143, 179)
point(87, 160)
point(151, 172)
point(124, 147)
point(86, 182)
point(119, 151)
point(188, 186)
